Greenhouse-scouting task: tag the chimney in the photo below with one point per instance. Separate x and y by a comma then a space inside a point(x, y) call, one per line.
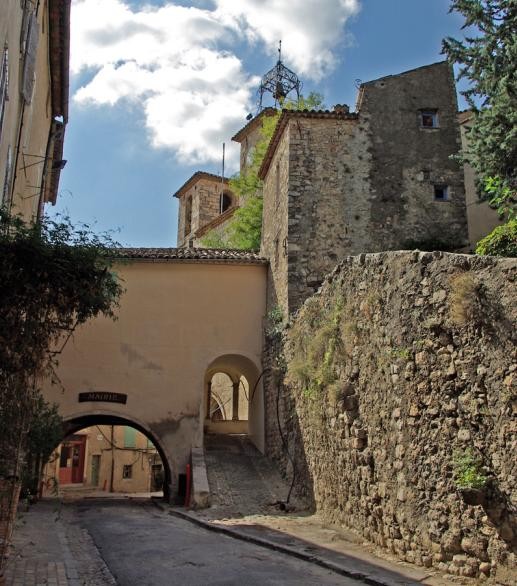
point(341, 109)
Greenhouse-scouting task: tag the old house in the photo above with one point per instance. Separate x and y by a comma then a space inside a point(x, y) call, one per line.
point(34, 40)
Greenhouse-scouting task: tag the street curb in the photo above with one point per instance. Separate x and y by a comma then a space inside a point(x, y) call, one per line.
point(315, 559)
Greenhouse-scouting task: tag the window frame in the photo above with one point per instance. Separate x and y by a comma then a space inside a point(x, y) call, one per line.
point(445, 190)
point(429, 113)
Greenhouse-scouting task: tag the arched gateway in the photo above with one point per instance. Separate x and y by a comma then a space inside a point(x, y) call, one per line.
point(185, 314)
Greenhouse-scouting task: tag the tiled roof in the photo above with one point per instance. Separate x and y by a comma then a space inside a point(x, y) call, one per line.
point(245, 130)
point(202, 255)
point(59, 56)
point(195, 178)
point(282, 123)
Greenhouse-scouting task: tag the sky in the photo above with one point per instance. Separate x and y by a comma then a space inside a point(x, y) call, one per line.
point(158, 85)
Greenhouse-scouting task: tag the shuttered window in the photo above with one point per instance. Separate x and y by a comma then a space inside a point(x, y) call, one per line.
point(4, 86)
point(129, 437)
point(29, 63)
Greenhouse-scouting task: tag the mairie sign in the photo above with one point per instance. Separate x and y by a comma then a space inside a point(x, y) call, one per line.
point(104, 397)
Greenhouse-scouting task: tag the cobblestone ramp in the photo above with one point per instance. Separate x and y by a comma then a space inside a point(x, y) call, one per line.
point(242, 480)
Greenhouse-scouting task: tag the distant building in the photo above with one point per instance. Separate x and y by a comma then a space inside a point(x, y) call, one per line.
point(110, 458)
point(34, 64)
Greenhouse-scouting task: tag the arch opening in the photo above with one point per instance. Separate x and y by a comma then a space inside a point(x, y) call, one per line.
point(234, 399)
point(107, 454)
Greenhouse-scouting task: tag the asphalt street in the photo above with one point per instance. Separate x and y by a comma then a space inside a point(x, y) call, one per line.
point(145, 546)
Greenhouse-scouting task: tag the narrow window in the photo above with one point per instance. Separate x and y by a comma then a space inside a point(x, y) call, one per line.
point(441, 193)
point(225, 201)
point(188, 215)
point(277, 185)
point(429, 118)
point(6, 191)
point(127, 471)
point(4, 85)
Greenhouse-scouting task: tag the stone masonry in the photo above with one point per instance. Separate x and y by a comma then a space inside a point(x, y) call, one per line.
point(427, 375)
point(338, 184)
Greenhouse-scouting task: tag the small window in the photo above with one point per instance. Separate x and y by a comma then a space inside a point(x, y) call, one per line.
point(429, 118)
point(127, 471)
point(225, 202)
point(441, 193)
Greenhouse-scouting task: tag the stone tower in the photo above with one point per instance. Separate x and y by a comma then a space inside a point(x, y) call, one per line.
point(338, 183)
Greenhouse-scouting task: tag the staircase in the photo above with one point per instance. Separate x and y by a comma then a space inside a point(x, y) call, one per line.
point(242, 480)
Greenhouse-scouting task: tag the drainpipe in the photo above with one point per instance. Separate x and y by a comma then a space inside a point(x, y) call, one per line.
point(112, 461)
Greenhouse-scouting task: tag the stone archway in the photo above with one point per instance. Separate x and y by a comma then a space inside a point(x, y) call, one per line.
point(76, 423)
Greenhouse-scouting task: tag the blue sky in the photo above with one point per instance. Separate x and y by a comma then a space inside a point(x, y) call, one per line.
point(157, 86)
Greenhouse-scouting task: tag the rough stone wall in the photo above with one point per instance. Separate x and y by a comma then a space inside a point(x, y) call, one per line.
point(328, 200)
point(409, 159)
point(368, 184)
point(275, 225)
point(205, 196)
point(425, 374)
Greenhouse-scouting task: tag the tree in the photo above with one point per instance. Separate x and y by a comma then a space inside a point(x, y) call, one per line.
point(243, 231)
point(488, 59)
point(53, 278)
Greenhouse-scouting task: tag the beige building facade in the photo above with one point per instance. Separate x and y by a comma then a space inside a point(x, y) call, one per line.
point(34, 45)
point(186, 315)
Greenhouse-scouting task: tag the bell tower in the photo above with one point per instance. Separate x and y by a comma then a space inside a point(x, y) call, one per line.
point(279, 81)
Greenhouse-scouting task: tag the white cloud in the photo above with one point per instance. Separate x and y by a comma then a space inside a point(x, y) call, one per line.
point(310, 29)
point(171, 60)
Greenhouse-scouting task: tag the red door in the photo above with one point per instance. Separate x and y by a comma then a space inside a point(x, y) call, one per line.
point(71, 464)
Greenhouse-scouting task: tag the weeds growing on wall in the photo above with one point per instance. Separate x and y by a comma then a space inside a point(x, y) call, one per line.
point(318, 347)
point(468, 471)
point(464, 298)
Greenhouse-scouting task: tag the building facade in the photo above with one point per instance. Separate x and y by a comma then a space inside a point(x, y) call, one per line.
point(110, 458)
point(382, 178)
point(34, 41)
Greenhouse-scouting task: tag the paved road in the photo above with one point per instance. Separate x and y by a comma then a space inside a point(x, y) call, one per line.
point(144, 546)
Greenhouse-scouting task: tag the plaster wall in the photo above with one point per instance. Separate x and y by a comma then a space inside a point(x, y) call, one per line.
point(482, 219)
point(175, 320)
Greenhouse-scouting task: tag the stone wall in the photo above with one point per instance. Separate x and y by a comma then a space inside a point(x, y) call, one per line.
point(365, 182)
point(413, 372)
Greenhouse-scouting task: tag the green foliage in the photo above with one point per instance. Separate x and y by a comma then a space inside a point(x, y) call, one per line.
point(244, 230)
point(45, 432)
point(488, 60)
point(502, 241)
point(53, 277)
point(275, 322)
point(318, 348)
point(468, 472)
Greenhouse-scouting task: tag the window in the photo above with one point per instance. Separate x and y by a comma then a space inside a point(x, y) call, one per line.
point(129, 437)
point(4, 85)
point(441, 193)
point(429, 118)
point(127, 471)
point(6, 191)
point(188, 215)
point(225, 201)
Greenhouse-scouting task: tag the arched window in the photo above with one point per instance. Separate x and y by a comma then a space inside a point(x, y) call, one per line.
point(225, 201)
